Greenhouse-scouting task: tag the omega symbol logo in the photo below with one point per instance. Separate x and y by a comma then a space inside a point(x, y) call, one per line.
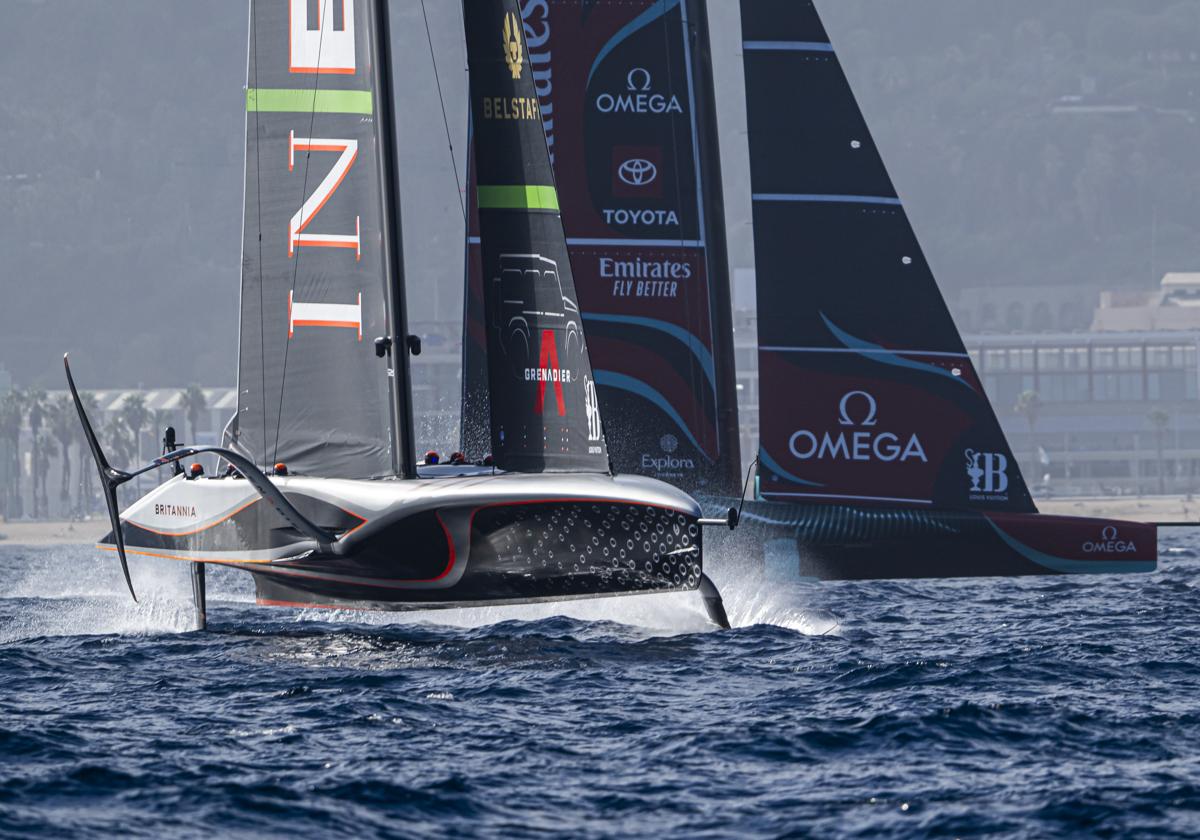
point(1110, 543)
point(637, 172)
point(857, 440)
point(636, 75)
point(844, 406)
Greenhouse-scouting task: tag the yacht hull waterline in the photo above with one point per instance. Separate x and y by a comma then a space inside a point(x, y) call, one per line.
point(784, 542)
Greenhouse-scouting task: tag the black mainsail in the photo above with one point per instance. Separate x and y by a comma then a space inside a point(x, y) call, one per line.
point(867, 394)
point(545, 413)
point(320, 258)
point(625, 95)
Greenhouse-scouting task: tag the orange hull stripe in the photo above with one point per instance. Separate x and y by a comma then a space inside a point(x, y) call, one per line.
point(143, 553)
point(269, 602)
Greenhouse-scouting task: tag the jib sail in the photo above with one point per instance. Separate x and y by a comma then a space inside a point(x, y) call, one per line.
point(315, 250)
point(545, 414)
point(866, 391)
point(624, 89)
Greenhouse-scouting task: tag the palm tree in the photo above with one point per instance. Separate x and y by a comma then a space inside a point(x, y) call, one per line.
point(46, 451)
point(64, 426)
point(118, 441)
point(1029, 406)
point(35, 408)
point(87, 496)
point(1159, 419)
point(194, 404)
point(12, 412)
point(135, 416)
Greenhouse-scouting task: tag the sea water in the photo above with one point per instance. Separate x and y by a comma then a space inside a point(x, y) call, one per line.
point(1033, 706)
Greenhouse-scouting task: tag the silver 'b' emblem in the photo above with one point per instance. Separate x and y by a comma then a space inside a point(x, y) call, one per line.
point(592, 406)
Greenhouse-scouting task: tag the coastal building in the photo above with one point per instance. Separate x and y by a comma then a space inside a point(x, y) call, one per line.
point(1117, 409)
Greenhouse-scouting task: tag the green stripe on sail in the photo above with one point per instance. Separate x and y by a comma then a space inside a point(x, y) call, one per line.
point(518, 198)
point(310, 101)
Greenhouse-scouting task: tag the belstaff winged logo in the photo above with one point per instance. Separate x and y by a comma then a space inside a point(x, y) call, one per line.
point(513, 54)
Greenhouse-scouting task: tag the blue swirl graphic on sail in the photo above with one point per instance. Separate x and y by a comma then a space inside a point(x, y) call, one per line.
point(611, 379)
point(877, 353)
point(1077, 567)
point(660, 8)
point(702, 354)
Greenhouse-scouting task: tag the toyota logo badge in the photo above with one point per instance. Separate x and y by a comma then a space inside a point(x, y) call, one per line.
point(637, 172)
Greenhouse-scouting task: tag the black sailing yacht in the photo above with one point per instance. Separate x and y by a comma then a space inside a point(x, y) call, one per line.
point(323, 501)
point(879, 455)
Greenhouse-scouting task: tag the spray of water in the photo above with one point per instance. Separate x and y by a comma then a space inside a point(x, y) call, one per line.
point(68, 591)
point(78, 591)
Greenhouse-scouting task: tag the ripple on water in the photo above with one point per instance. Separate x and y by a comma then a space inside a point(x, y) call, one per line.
point(1039, 706)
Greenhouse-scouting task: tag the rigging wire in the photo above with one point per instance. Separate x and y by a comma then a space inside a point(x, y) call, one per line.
point(445, 120)
point(312, 118)
point(262, 326)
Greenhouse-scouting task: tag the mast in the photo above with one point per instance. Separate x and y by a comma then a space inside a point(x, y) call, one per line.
point(728, 477)
point(404, 452)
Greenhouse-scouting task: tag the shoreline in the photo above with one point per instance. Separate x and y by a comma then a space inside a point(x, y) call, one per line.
point(53, 532)
point(1173, 509)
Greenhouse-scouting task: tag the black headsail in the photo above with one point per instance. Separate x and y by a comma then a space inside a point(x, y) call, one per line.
point(625, 92)
point(867, 394)
point(545, 415)
point(320, 248)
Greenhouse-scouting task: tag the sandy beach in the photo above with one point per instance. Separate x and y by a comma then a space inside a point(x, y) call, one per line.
point(52, 532)
point(1144, 509)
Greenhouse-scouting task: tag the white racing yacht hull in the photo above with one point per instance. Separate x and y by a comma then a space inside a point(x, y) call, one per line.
point(430, 542)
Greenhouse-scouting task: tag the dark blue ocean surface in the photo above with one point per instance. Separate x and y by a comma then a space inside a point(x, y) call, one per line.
point(1043, 706)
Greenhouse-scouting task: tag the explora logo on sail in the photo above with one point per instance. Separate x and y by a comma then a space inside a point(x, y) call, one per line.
point(864, 445)
point(1109, 543)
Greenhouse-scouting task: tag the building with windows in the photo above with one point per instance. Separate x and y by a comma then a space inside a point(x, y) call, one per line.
point(1114, 411)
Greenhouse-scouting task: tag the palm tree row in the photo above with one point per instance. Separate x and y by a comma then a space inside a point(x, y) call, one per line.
point(54, 431)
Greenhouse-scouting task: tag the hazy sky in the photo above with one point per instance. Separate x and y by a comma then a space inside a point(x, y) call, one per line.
point(121, 130)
